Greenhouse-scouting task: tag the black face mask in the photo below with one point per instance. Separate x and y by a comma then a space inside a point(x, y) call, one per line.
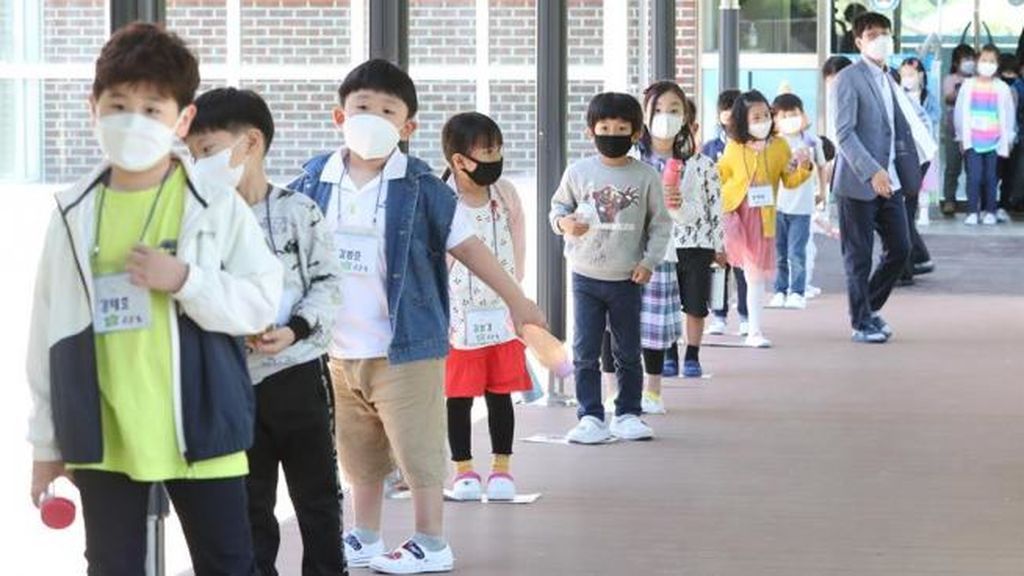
point(613, 146)
point(486, 173)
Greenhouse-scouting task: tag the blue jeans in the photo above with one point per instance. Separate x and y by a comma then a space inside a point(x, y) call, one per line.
point(616, 304)
point(981, 181)
point(791, 234)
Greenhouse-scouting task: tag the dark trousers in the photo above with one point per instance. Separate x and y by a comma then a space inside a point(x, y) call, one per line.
point(982, 181)
point(294, 429)
point(954, 164)
point(918, 250)
point(501, 420)
point(212, 513)
point(600, 304)
point(741, 294)
point(859, 219)
point(654, 360)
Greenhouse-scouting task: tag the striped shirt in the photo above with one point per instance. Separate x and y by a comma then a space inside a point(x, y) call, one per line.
point(985, 129)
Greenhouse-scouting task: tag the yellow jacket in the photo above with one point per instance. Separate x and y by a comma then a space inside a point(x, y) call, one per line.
point(769, 167)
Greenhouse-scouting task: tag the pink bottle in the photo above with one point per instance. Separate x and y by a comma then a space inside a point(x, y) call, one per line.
point(670, 177)
point(55, 511)
point(548, 350)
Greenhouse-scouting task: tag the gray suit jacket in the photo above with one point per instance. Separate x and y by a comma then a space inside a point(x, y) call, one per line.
point(863, 135)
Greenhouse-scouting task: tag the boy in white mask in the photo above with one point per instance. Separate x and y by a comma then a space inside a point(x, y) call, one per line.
point(394, 221)
point(149, 275)
point(230, 137)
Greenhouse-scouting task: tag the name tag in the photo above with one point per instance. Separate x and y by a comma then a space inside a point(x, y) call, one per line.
point(760, 196)
point(486, 326)
point(357, 252)
point(119, 305)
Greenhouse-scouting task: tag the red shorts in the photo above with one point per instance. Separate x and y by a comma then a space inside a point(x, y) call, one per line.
point(499, 369)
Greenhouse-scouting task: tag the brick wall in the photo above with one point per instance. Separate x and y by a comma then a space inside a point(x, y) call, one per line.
point(203, 24)
point(295, 31)
point(73, 30)
point(69, 146)
point(442, 32)
point(438, 101)
point(687, 44)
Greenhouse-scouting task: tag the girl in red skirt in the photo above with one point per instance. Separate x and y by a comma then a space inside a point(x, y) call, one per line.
point(486, 358)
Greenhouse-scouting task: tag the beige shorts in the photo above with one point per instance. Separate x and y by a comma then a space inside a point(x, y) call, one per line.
point(387, 415)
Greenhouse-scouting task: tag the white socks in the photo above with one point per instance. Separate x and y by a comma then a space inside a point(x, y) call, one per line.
point(755, 304)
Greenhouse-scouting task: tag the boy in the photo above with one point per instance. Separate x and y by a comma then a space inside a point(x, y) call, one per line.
point(148, 276)
point(393, 222)
point(230, 137)
point(624, 198)
point(795, 206)
point(713, 149)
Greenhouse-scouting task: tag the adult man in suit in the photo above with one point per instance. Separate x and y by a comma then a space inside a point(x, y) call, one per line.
point(878, 164)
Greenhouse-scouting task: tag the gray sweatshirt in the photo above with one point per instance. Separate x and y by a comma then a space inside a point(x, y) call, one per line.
point(632, 226)
point(296, 232)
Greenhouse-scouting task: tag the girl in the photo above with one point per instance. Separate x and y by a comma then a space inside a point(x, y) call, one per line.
point(962, 66)
point(752, 167)
point(914, 81)
point(486, 358)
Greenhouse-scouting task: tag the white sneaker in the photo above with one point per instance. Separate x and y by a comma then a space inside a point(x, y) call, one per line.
point(777, 301)
point(651, 404)
point(758, 341)
point(744, 328)
point(467, 487)
point(812, 292)
point(631, 427)
point(971, 220)
point(589, 430)
point(715, 327)
point(501, 487)
point(359, 554)
point(1002, 216)
point(989, 219)
point(796, 302)
point(411, 558)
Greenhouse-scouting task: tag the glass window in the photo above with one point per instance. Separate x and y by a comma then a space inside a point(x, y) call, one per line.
point(442, 32)
point(275, 32)
point(203, 25)
point(768, 26)
point(73, 30)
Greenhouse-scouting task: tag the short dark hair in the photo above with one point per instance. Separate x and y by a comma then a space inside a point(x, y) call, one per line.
point(727, 98)
point(787, 103)
point(380, 75)
point(991, 49)
point(834, 65)
point(233, 110)
point(868, 20)
point(959, 53)
point(739, 127)
point(1008, 62)
point(468, 130)
point(609, 105)
point(142, 53)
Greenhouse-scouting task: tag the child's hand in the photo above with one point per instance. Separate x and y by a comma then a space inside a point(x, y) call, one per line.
point(570, 226)
point(525, 311)
point(641, 275)
point(43, 474)
point(721, 259)
point(274, 341)
point(156, 270)
point(673, 198)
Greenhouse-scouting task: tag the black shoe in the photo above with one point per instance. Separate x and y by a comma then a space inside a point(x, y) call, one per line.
point(905, 281)
point(926, 267)
point(948, 208)
point(881, 325)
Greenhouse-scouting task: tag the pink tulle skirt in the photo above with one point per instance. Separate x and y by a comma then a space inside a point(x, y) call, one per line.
point(745, 244)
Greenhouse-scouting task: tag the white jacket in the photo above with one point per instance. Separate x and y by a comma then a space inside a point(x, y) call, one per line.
point(962, 116)
point(233, 287)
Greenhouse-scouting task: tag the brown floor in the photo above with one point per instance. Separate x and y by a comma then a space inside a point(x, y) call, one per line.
point(818, 457)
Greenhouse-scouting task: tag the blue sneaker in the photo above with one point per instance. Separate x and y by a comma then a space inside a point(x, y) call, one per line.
point(881, 325)
point(671, 369)
point(869, 335)
point(692, 369)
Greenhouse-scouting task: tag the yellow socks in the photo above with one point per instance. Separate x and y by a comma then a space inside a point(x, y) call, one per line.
point(500, 464)
point(463, 467)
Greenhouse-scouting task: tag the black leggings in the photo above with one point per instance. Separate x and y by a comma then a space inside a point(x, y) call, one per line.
point(654, 360)
point(501, 420)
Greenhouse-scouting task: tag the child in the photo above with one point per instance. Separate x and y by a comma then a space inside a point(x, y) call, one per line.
point(149, 275)
point(612, 262)
point(794, 206)
point(985, 119)
point(230, 138)
point(393, 221)
point(962, 65)
point(486, 358)
point(752, 167)
point(713, 150)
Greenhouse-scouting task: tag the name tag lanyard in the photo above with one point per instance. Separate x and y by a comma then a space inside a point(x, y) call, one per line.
point(753, 173)
point(376, 204)
point(494, 238)
point(270, 223)
point(149, 217)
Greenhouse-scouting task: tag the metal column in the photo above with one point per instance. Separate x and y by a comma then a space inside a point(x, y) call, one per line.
point(729, 45)
point(124, 12)
point(389, 31)
point(663, 22)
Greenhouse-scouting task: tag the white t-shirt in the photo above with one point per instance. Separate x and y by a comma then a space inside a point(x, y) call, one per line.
point(800, 200)
point(362, 329)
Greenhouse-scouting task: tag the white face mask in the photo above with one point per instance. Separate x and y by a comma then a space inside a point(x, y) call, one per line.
point(761, 130)
point(967, 67)
point(910, 83)
point(791, 125)
point(987, 69)
point(880, 48)
point(217, 168)
point(370, 136)
point(666, 126)
point(134, 142)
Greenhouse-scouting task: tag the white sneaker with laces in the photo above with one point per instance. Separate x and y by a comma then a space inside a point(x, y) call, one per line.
point(971, 220)
point(777, 301)
point(989, 219)
point(715, 327)
point(758, 341)
point(744, 328)
point(589, 430)
point(358, 554)
point(411, 558)
point(1002, 216)
point(796, 302)
point(631, 427)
